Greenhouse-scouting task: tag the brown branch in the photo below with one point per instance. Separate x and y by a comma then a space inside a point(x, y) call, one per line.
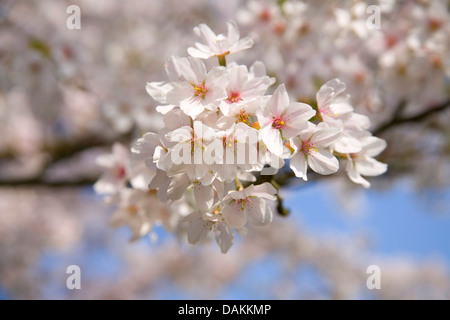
point(397, 120)
point(60, 151)
point(33, 182)
point(68, 149)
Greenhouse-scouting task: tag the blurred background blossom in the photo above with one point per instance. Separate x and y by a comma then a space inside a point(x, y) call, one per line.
point(67, 95)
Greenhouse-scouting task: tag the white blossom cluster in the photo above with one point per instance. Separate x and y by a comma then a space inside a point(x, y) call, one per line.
point(220, 128)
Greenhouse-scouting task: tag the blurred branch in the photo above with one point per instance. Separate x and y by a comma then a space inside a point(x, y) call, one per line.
point(39, 181)
point(68, 149)
point(60, 151)
point(397, 119)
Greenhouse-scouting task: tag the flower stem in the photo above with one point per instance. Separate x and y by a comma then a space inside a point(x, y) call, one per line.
point(238, 184)
point(222, 60)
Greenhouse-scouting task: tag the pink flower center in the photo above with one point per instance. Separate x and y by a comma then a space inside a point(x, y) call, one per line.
point(308, 147)
point(242, 202)
point(278, 122)
point(121, 172)
point(200, 90)
point(234, 97)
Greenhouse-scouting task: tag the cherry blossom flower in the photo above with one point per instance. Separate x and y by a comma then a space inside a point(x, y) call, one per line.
point(249, 205)
point(200, 224)
point(281, 119)
point(194, 89)
point(363, 163)
point(117, 172)
point(311, 149)
point(218, 45)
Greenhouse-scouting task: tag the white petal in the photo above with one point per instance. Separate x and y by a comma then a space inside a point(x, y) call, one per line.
point(298, 164)
point(108, 183)
point(106, 160)
point(204, 196)
point(145, 146)
point(272, 138)
point(165, 109)
point(354, 175)
point(238, 77)
point(233, 32)
point(224, 237)
point(244, 43)
point(279, 101)
point(196, 231)
point(370, 167)
point(328, 91)
point(176, 119)
point(196, 53)
point(265, 190)
point(323, 162)
point(325, 135)
point(158, 90)
point(192, 107)
point(258, 212)
point(177, 187)
point(373, 146)
point(179, 135)
point(347, 144)
point(233, 215)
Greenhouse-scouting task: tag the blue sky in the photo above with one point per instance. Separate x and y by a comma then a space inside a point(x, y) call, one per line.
point(399, 220)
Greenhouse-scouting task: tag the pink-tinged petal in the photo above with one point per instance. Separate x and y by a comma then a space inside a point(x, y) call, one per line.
point(279, 101)
point(258, 212)
point(108, 184)
point(298, 164)
point(323, 162)
point(325, 135)
point(264, 119)
point(224, 237)
point(236, 195)
point(370, 167)
point(106, 161)
point(121, 153)
point(272, 139)
point(329, 91)
point(233, 215)
point(265, 190)
point(354, 175)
